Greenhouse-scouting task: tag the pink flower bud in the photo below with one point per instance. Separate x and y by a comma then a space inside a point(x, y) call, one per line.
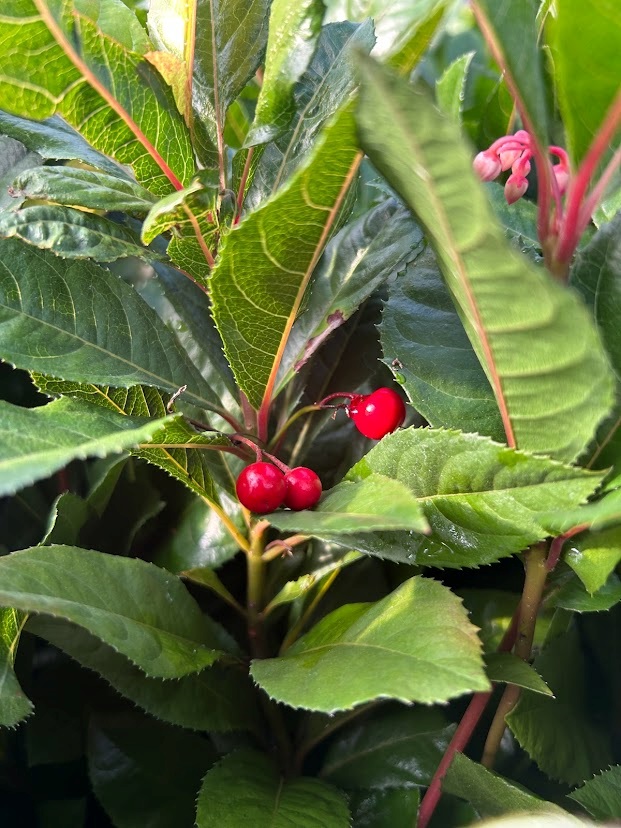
point(561, 173)
point(486, 165)
point(508, 158)
point(523, 136)
point(521, 166)
point(515, 188)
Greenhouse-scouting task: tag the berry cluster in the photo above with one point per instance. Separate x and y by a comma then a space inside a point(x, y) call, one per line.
point(263, 487)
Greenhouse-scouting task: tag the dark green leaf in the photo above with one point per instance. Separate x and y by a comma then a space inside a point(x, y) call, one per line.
point(414, 645)
point(509, 669)
point(450, 87)
point(584, 39)
point(594, 556)
point(491, 794)
point(540, 724)
point(519, 219)
point(429, 352)
point(601, 796)
point(83, 188)
point(73, 234)
point(68, 516)
point(573, 596)
point(524, 326)
point(39, 441)
point(131, 777)
point(245, 786)
point(217, 699)
point(355, 263)
point(14, 158)
point(395, 748)
point(266, 263)
point(482, 500)
point(14, 704)
point(396, 807)
point(97, 330)
point(141, 611)
point(293, 32)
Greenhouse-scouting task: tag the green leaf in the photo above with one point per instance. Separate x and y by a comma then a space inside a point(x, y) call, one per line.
point(584, 37)
point(38, 441)
point(427, 349)
point(266, 263)
point(89, 65)
point(132, 780)
point(511, 31)
point(539, 723)
point(68, 516)
point(138, 609)
point(83, 188)
point(524, 326)
point(374, 808)
point(362, 256)
point(217, 699)
point(14, 158)
point(594, 556)
point(491, 794)
point(326, 85)
point(414, 645)
point(482, 500)
point(53, 138)
point(573, 596)
point(509, 669)
point(450, 87)
point(97, 330)
point(15, 706)
point(519, 220)
point(293, 590)
point(73, 234)
point(246, 786)
point(597, 515)
point(601, 796)
point(216, 48)
point(293, 32)
point(394, 748)
point(364, 506)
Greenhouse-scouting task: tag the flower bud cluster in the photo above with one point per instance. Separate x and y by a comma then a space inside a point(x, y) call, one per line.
point(514, 152)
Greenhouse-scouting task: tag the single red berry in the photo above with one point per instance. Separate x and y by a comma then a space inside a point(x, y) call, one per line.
point(377, 414)
point(303, 488)
point(261, 488)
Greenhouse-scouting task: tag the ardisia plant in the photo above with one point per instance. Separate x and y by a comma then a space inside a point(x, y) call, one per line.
point(310, 461)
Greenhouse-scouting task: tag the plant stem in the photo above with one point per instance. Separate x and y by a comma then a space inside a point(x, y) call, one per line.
point(276, 548)
point(307, 409)
point(242, 186)
point(256, 583)
point(534, 584)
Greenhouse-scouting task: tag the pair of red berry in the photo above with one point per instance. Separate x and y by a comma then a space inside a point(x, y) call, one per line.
point(262, 487)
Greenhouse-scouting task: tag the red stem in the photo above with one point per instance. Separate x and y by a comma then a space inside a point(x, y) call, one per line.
point(570, 230)
point(556, 547)
point(242, 186)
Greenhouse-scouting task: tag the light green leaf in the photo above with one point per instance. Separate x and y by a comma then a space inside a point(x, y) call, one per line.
point(511, 31)
point(266, 263)
point(596, 516)
point(38, 441)
point(450, 87)
point(141, 611)
point(14, 158)
point(218, 699)
point(97, 329)
point(414, 645)
point(68, 516)
point(585, 42)
point(355, 263)
point(393, 748)
point(519, 220)
point(427, 349)
point(323, 89)
point(482, 500)
point(527, 329)
point(83, 188)
point(73, 234)
point(132, 779)
point(594, 556)
point(15, 706)
point(368, 505)
point(293, 590)
point(293, 32)
point(88, 63)
point(601, 796)
point(509, 669)
point(491, 794)
point(573, 596)
point(246, 786)
point(539, 723)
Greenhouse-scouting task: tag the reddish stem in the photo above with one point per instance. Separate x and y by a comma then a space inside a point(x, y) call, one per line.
point(242, 186)
point(556, 547)
point(335, 396)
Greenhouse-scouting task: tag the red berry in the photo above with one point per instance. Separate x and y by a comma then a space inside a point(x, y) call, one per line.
point(303, 488)
point(377, 414)
point(261, 488)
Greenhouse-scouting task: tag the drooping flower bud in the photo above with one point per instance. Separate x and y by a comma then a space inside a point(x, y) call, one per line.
point(508, 158)
point(486, 165)
point(561, 173)
point(521, 165)
point(515, 188)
